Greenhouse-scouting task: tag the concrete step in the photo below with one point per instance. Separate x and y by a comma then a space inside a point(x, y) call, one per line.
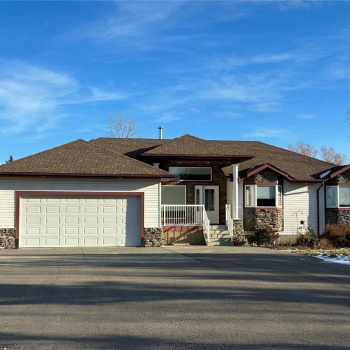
point(219, 235)
point(220, 242)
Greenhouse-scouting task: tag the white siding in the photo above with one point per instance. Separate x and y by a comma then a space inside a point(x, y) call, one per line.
point(302, 199)
point(9, 185)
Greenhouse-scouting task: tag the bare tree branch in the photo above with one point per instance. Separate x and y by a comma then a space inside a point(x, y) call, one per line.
point(121, 127)
point(331, 156)
point(304, 148)
point(328, 154)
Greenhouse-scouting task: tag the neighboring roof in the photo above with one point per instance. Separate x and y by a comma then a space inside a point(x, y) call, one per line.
point(81, 158)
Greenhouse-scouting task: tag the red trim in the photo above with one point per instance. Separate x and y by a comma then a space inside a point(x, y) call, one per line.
point(267, 166)
point(19, 194)
point(340, 171)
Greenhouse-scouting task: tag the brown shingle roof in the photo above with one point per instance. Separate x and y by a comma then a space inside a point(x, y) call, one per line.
point(80, 158)
point(131, 147)
point(114, 157)
point(297, 166)
point(189, 145)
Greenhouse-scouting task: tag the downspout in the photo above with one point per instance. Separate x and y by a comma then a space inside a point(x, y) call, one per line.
point(318, 209)
point(235, 191)
point(160, 204)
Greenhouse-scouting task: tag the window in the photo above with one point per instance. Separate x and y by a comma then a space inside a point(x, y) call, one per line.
point(174, 195)
point(263, 196)
point(338, 196)
point(191, 174)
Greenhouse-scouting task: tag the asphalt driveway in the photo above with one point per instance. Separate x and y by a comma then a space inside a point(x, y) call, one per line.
point(172, 298)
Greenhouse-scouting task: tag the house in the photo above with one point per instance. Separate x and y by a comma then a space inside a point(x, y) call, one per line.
point(137, 192)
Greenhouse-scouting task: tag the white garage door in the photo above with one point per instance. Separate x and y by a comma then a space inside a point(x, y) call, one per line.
point(61, 221)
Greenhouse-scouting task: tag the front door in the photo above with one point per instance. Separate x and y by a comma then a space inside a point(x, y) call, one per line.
point(209, 196)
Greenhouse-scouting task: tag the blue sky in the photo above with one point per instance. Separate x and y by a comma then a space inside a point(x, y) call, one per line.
point(277, 72)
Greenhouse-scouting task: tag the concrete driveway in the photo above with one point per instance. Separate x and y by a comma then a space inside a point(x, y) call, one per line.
point(172, 298)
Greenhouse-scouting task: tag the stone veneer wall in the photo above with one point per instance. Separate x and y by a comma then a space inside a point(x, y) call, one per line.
point(7, 238)
point(258, 218)
point(334, 215)
point(153, 237)
point(265, 176)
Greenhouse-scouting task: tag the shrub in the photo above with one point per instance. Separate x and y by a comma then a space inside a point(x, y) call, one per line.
point(308, 239)
point(325, 243)
point(338, 235)
point(265, 237)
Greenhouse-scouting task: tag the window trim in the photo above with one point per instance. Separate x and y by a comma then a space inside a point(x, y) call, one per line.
point(337, 197)
point(254, 198)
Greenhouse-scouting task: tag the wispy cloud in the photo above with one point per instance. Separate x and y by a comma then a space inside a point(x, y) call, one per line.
point(136, 24)
point(285, 5)
point(306, 116)
point(33, 97)
point(262, 132)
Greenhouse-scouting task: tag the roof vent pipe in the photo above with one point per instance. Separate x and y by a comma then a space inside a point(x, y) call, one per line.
point(160, 132)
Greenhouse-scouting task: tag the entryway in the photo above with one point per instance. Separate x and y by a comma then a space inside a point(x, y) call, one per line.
point(209, 197)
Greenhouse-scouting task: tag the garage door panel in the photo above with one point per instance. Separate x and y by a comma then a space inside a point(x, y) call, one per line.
point(79, 221)
point(50, 242)
point(37, 220)
point(52, 220)
point(70, 242)
point(70, 209)
point(109, 220)
point(33, 210)
point(33, 242)
point(88, 220)
point(91, 209)
point(52, 231)
point(71, 231)
point(53, 209)
point(70, 220)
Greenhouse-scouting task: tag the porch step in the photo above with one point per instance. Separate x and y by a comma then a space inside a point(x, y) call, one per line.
point(219, 236)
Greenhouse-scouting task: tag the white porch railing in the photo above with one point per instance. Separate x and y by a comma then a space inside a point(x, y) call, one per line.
point(229, 221)
point(186, 215)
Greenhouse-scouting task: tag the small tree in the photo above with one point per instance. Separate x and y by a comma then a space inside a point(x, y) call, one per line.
point(328, 154)
point(331, 156)
point(10, 159)
point(303, 148)
point(120, 127)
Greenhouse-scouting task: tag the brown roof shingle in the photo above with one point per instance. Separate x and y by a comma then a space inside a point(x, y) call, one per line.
point(297, 166)
point(121, 157)
point(80, 158)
